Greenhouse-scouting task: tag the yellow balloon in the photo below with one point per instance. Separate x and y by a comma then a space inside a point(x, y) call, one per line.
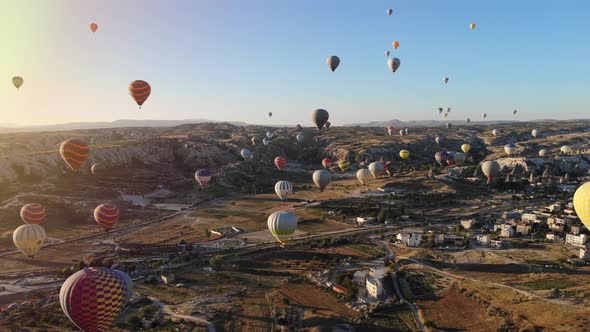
point(582, 203)
point(17, 81)
point(465, 147)
point(472, 26)
point(405, 154)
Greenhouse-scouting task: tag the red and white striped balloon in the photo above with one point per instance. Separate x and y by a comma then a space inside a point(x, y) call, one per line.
point(280, 162)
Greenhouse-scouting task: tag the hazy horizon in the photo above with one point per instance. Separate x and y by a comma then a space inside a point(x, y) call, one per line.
point(239, 61)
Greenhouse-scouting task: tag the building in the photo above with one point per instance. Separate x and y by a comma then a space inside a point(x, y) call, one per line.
point(496, 244)
point(558, 228)
point(510, 215)
point(365, 220)
point(575, 229)
point(529, 217)
point(555, 220)
point(410, 239)
point(523, 229)
point(552, 237)
point(484, 240)
point(585, 253)
point(358, 278)
point(374, 288)
point(378, 273)
point(554, 208)
point(507, 232)
point(577, 240)
point(469, 224)
point(167, 279)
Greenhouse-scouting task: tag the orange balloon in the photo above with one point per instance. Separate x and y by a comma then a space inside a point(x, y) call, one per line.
point(395, 44)
point(93, 27)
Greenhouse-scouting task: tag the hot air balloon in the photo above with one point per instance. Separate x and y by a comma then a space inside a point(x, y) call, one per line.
point(438, 139)
point(451, 158)
point(543, 152)
point(203, 176)
point(32, 213)
point(333, 62)
point(344, 165)
point(441, 158)
point(514, 112)
point(254, 139)
point(17, 81)
point(93, 27)
point(280, 162)
point(459, 158)
point(300, 138)
point(266, 141)
point(446, 115)
point(320, 117)
point(490, 169)
point(29, 238)
point(393, 64)
point(495, 132)
point(140, 91)
point(406, 131)
point(389, 11)
point(582, 203)
point(74, 152)
point(472, 26)
point(93, 298)
point(390, 130)
point(328, 125)
point(322, 179)
point(401, 132)
point(106, 216)
point(465, 148)
point(375, 168)
point(363, 175)
point(468, 120)
point(484, 115)
point(446, 80)
point(327, 162)
point(535, 133)
point(96, 169)
point(270, 114)
point(282, 224)
point(283, 189)
point(387, 54)
point(395, 44)
point(246, 154)
point(270, 134)
point(566, 149)
point(510, 149)
point(440, 110)
point(448, 125)
point(404, 154)
point(448, 109)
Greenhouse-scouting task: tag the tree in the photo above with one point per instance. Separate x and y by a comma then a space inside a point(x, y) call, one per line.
point(216, 261)
point(458, 228)
point(430, 324)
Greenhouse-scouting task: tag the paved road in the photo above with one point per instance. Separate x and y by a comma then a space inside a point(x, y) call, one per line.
point(410, 305)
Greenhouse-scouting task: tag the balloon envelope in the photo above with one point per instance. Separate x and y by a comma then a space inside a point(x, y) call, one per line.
point(96, 168)
point(106, 216)
point(582, 203)
point(140, 91)
point(246, 154)
point(327, 162)
point(438, 139)
point(535, 133)
point(320, 117)
point(404, 154)
point(17, 81)
point(282, 224)
point(375, 168)
point(395, 44)
point(510, 149)
point(495, 132)
point(322, 179)
point(393, 64)
point(280, 162)
point(333, 62)
point(465, 148)
point(363, 175)
point(93, 298)
point(344, 165)
point(74, 152)
point(266, 141)
point(566, 149)
point(490, 169)
point(543, 152)
point(203, 177)
point(93, 27)
point(472, 26)
point(283, 189)
point(29, 239)
point(389, 11)
point(300, 138)
point(32, 213)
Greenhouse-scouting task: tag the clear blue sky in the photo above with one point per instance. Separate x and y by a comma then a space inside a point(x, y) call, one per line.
point(239, 60)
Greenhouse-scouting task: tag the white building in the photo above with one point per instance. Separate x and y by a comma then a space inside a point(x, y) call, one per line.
point(585, 253)
point(365, 220)
point(358, 278)
point(374, 288)
point(576, 239)
point(575, 229)
point(507, 232)
point(529, 217)
point(554, 208)
point(555, 220)
point(552, 237)
point(497, 244)
point(484, 240)
point(410, 239)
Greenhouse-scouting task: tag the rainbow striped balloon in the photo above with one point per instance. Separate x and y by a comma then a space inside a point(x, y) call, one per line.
point(140, 91)
point(106, 215)
point(74, 152)
point(32, 213)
